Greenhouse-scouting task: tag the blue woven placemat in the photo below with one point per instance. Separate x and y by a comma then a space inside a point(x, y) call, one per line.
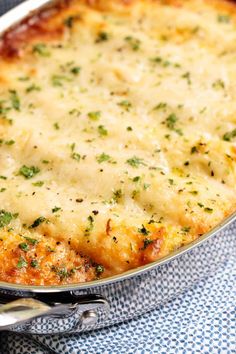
point(201, 320)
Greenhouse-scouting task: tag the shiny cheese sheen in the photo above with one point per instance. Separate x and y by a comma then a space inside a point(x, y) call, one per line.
point(125, 118)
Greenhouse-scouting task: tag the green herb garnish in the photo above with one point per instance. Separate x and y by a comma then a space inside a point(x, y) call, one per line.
point(218, 84)
point(208, 210)
point(143, 230)
point(55, 209)
point(125, 104)
point(94, 115)
point(76, 156)
point(22, 263)
point(37, 222)
point(103, 158)
point(6, 217)
point(229, 135)
point(32, 87)
point(161, 105)
point(117, 195)
point(41, 49)
point(102, 130)
point(10, 142)
point(29, 172)
point(15, 100)
point(69, 21)
point(90, 226)
point(75, 70)
point(34, 263)
point(186, 229)
point(222, 18)
point(38, 184)
point(133, 42)
point(31, 241)
point(99, 269)
point(146, 243)
point(24, 246)
point(102, 37)
point(135, 162)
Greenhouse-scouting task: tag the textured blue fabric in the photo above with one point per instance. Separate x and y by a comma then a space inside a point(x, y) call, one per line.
point(200, 320)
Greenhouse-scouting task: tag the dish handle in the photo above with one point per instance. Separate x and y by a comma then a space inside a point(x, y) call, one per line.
point(52, 312)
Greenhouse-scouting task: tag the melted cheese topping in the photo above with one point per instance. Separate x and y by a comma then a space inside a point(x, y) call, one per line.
point(119, 137)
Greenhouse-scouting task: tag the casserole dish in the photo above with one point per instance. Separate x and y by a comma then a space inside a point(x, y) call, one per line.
point(80, 307)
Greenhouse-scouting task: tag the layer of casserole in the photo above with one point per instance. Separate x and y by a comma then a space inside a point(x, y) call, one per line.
point(117, 135)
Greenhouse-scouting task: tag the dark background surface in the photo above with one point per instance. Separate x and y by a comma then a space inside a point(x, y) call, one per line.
point(6, 5)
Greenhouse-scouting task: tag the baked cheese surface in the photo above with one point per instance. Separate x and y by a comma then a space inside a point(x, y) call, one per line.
point(117, 135)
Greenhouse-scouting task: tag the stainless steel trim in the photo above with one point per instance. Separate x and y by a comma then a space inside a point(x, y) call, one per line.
point(6, 21)
point(90, 309)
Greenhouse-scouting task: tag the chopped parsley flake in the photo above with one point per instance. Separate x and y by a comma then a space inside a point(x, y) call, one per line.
point(194, 150)
point(6, 217)
point(135, 162)
point(230, 135)
point(125, 104)
point(171, 121)
point(62, 272)
point(134, 43)
point(103, 158)
point(117, 195)
point(102, 130)
point(69, 21)
point(143, 230)
point(185, 229)
point(15, 100)
point(32, 87)
point(58, 80)
point(37, 222)
point(136, 179)
point(76, 156)
point(22, 263)
point(208, 210)
point(55, 209)
point(31, 241)
point(90, 226)
point(34, 263)
point(222, 18)
point(38, 184)
point(146, 243)
point(187, 77)
point(75, 70)
point(102, 37)
point(171, 181)
point(193, 192)
point(164, 63)
point(24, 246)
point(99, 269)
point(94, 115)
point(161, 105)
point(9, 142)
point(72, 146)
point(29, 172)
point(218, 84)
point(41, 49)
point(56, 126)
